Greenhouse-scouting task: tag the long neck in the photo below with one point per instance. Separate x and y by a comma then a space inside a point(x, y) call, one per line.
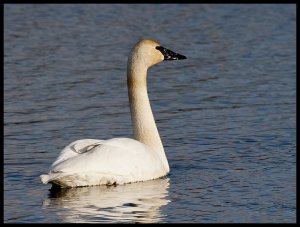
point(143, 123)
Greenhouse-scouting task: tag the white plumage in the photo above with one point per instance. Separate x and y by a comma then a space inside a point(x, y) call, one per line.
point(89, 162)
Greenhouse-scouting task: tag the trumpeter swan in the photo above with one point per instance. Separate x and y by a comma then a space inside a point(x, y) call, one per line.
point(90, 162)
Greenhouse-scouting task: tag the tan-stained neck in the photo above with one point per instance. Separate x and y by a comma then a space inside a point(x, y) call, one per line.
point(143, 123)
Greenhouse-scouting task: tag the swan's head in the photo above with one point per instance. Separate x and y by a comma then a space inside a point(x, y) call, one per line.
point(149, 53)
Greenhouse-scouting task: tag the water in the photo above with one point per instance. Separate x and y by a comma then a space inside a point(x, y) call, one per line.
point(226, 115)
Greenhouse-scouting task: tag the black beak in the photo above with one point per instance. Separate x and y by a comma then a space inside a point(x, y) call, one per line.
point(170, 55)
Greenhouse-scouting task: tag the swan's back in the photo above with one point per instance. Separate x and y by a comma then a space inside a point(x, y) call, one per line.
point(96, 162)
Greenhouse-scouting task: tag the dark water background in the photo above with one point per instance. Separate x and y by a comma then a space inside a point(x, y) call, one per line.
point(226, 115)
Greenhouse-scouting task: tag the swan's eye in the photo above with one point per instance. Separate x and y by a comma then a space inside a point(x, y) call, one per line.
point(161, 49)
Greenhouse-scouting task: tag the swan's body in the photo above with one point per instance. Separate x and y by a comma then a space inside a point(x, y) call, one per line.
point(90, 162)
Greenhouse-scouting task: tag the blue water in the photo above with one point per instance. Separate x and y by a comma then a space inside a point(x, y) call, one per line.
point(226, 115)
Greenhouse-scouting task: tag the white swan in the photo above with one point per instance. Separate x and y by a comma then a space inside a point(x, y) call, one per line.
point(90, 162)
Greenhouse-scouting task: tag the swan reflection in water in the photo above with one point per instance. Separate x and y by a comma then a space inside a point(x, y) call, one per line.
point(139, 202)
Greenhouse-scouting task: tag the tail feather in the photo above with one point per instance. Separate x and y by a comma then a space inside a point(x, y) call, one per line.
point(45, 178)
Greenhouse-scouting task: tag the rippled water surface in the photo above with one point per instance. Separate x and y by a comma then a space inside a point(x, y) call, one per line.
point(226, 115)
